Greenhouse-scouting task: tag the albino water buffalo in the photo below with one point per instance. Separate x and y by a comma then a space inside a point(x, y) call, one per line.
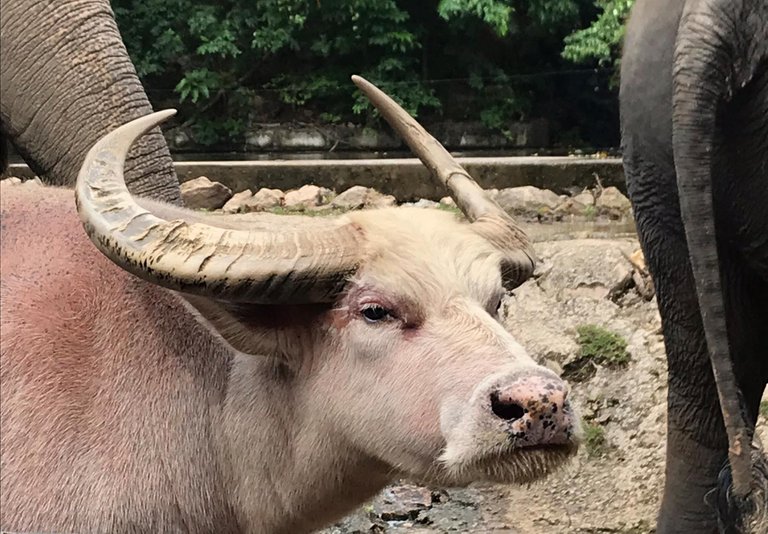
point(209, 373)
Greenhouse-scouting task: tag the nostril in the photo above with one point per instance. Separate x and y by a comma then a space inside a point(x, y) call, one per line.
point(509, 411)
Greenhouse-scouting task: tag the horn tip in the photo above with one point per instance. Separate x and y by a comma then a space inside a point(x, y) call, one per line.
point(359, 81)
point(164, 114)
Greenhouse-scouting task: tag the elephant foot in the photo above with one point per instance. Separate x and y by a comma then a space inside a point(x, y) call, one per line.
point(744, 515)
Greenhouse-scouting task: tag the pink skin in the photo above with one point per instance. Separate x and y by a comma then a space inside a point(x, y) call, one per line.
point(127, 406)
point(431, 406)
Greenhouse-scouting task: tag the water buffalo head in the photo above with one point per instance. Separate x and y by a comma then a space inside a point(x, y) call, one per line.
point(383, 326)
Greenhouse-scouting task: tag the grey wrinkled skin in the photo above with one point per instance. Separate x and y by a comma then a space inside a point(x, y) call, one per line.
point(66, 80)
point(702, 67)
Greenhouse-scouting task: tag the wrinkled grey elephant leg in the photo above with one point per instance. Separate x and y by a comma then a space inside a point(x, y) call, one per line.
point(696, 440)
point(66, 80)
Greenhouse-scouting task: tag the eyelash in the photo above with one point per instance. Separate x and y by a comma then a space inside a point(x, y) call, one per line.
point(380, 313)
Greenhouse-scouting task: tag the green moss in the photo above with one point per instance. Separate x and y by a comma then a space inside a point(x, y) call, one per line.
point(595, 442)
point(601, 346)
point(764, 409)
point(449, 208)
point(597, 346)
point(329, 212)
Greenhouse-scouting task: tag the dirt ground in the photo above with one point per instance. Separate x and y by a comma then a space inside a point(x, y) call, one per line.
point(615, 482)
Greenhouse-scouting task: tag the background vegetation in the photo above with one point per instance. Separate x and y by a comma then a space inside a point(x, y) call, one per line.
point(228, 63)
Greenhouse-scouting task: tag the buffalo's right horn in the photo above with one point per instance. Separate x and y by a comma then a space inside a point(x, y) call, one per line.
point(280, 264)
point(488, 219)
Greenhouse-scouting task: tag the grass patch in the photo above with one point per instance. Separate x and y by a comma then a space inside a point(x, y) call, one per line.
point(594, 439)
point(597, 346)
point(452, 209)
point(328, 212)
point(602, 346)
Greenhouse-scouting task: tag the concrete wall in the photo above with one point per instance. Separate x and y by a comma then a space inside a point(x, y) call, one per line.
point(302, 137)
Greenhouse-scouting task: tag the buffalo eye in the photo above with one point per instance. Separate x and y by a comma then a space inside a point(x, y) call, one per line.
point(375, 313)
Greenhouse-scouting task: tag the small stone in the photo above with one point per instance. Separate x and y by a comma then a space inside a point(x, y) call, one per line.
point(202, 193)
point(12, 180)
point(307, 196)
point(447, 201)
point(400, 503)
point(423, 203)
point(235, 203)
point(35, 182)
point(571, 207)
point(263, 200)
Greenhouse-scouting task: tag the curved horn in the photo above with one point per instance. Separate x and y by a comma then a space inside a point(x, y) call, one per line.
point(488, 218)
point(265, 265)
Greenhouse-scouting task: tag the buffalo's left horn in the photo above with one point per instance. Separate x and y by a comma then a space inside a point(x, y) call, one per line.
point(487, 217)
point(266, 264)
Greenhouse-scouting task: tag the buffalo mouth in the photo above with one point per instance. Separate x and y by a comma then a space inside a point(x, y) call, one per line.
point(504, 464)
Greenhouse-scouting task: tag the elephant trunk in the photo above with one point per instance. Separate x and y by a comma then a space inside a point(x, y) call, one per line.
point(67, 80)
point(702, 81)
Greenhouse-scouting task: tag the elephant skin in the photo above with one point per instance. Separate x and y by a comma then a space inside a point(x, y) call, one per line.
point(66, 80)
point(694, 119)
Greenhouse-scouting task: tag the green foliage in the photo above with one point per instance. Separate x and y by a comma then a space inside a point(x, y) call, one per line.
point(227, 63)
point(600, 41)
point(495, 14)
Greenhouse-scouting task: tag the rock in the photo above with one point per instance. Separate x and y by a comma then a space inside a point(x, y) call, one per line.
point(585, 197)
point(357, 197)
point(307, 196)
point(422, 203)
point(527, 200)
point(263, 200)
point(202, 193)
point(34, 182)
point(381, 201)
point(353, 198)
point(447, 201)
point(571, 207)
point(584, 268)
point(235, 203)
point(398, 503)
point(613, 203)
point(11, 180)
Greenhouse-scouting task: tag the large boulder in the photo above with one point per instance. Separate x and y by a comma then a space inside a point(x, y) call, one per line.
point(202, 193)
point(264, 199)
point(527, 200)
point(353, 198)
point(238, 200)
point(306, 197)
point(613, 203)
point(357, 197)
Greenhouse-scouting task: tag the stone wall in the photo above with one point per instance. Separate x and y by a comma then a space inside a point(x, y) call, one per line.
point(406, 179)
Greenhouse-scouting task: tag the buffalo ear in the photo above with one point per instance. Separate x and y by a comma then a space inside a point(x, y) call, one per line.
point(276, 330)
